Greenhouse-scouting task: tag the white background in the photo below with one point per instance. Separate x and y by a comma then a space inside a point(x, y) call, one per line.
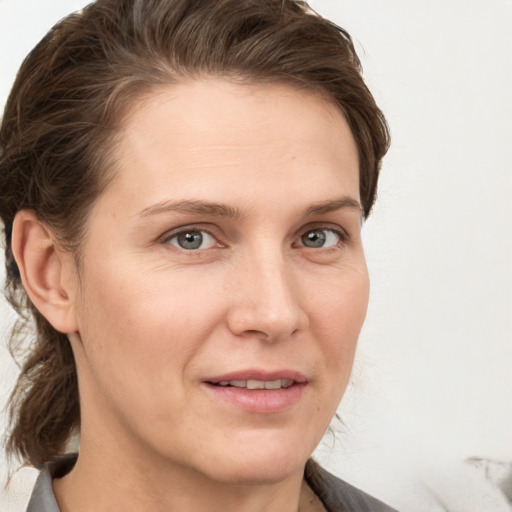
point(433, 379)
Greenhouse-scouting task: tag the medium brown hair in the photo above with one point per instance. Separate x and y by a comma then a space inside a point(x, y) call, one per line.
point(63, 114)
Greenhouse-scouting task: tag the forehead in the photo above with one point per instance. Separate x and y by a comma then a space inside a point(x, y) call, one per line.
point(213, 106)
point(212, 135)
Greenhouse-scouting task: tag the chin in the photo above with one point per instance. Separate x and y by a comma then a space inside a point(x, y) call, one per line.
point(260, 466)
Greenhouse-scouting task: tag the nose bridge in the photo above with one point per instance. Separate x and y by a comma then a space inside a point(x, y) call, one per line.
point(267, 301)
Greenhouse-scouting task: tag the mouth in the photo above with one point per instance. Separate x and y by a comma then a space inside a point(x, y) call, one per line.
point(256, 391)
point(255, 384)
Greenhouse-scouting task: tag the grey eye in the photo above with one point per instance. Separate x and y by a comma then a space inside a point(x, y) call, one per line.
point(192, 240)
point(320, 237)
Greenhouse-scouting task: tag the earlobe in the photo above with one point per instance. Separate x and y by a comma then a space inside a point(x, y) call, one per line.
point(44, 270)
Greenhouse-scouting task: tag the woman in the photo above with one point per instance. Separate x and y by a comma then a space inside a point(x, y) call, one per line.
point(183, 185)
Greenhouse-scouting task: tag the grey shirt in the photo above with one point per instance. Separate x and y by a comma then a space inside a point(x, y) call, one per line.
point(335, 494)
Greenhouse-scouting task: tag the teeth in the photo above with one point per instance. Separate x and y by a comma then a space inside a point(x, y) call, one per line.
point(257, 384)
point(273, 384)
point(238, 383)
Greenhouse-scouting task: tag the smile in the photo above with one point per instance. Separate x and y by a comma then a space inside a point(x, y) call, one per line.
point(258, 391)
point(257, 384)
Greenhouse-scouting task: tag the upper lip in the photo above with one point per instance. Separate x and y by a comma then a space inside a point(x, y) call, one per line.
point(261, 375)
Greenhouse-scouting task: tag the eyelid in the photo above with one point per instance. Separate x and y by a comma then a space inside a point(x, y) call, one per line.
point(207, 228)
point(168, 235)
point(334, 228)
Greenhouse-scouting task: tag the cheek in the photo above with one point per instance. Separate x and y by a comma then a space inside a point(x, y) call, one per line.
point(340, 311)
point(137, 344)
point(147, 326)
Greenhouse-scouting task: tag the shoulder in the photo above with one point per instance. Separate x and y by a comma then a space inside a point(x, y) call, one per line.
point(337, 495)
point(43, 498)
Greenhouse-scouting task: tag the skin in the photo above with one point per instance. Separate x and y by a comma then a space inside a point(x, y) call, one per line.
point(149, 321)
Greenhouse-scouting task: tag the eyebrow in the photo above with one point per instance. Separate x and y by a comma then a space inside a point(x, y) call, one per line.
point(333, 205)
point(224, 210)
point(192, 206)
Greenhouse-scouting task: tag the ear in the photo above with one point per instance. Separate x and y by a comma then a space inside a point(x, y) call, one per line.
point(48, 273)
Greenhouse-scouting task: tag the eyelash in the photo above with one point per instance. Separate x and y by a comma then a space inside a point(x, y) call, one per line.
point(167, 237)
point(340, 234)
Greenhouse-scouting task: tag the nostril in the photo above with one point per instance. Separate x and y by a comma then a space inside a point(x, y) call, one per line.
point(254, 332)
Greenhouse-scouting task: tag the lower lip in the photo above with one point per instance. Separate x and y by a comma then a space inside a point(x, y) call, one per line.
point(259, 400)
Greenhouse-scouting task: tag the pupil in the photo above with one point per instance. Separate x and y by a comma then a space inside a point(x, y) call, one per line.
point(190, 240)
point(314, 239)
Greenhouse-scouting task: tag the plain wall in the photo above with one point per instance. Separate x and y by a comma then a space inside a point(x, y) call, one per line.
point(433, 380)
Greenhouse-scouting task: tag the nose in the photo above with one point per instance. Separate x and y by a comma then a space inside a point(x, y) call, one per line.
point(266, 300)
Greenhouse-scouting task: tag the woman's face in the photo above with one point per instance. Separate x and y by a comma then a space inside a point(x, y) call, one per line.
point(223, 283)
